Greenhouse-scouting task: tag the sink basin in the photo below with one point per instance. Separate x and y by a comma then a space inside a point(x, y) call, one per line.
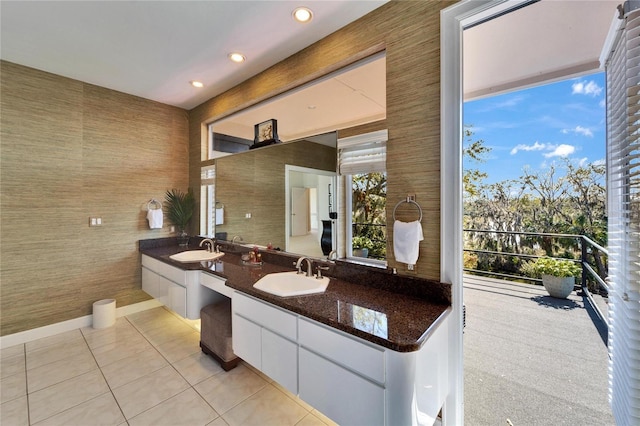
point(195, 256)
point(286, 284)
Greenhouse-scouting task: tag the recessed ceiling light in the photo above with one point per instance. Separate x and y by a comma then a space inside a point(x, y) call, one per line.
point(302, 14)
point(237, 57)
point(197, 84)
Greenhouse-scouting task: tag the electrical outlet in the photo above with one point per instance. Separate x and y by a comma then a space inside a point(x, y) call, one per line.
point(172, 228)
point(95, 221)
point(247, 216)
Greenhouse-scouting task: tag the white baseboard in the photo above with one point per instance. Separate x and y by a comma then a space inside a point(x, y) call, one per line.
point(73, 324)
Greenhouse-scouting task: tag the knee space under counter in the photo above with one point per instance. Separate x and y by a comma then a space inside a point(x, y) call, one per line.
point(215, 333)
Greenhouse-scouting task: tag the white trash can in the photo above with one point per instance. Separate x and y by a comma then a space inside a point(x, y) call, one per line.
point(104, 313)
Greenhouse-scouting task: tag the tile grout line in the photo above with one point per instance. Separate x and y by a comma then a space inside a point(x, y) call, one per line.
point(103, 377)
point(26, 382)
point(175, 369)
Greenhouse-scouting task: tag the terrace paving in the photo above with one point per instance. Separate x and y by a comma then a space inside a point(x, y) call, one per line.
point(530, 359)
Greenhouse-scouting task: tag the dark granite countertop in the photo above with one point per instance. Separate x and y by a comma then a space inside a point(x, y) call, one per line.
point(362, 306)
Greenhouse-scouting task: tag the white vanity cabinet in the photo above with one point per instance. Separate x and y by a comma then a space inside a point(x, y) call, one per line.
point(265, 337)
point(177, 289)
point(350, 380)
point(341, 376)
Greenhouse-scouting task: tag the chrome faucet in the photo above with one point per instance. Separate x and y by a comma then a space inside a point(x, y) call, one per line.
point(233, 241)
point(333, 255)
point(309, 266)
point(209, 243)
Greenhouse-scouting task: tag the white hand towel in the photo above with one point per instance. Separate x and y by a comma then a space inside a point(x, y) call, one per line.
point(155, 218)
point(406, 241)
point(220, 216)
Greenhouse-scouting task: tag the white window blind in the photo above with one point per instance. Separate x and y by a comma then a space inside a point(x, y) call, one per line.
point(208, 175)
point(623, 203)
point(363, 154)
point(207, 200)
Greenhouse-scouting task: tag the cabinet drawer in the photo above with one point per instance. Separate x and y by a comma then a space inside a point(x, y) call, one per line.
point(280, 360)
point(246, 339)
point(343, 396)
point(216, 284)
point(268, 316)
point(174, 274)
point(346, 351)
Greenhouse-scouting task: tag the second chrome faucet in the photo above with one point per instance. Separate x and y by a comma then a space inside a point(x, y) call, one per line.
point(298, 265)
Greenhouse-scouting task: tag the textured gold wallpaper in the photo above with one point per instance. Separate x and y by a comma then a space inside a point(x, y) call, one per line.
point(71, 150)
point(409, 32)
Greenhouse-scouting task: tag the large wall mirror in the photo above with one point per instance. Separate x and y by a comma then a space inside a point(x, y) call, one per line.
point(286, 194)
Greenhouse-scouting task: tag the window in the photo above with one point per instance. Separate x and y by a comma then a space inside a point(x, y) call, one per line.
point(207, 201)
point(362, 162)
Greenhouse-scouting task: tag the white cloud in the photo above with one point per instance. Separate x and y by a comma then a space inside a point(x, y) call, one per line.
point(561, 150)
point(600, 162)
point(583, 161)
point(537, 146)
point(584, 131)
point(590, 88)
point(507, 103)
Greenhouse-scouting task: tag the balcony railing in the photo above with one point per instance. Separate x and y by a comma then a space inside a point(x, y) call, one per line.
point(592, 255)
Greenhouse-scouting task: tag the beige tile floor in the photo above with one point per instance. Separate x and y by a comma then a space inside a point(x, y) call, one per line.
point(147, 369)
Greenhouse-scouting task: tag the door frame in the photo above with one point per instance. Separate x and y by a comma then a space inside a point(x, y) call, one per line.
point(453, 20)
point(288, 168)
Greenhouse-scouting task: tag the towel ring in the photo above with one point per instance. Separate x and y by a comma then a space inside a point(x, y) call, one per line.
point(155, 202)
point(410, 201)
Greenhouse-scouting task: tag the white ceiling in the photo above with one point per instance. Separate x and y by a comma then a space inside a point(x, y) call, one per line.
point(354, 95)
point(153, 49)
point(545, 41)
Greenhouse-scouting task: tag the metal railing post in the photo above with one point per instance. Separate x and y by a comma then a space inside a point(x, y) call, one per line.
point(583, 261)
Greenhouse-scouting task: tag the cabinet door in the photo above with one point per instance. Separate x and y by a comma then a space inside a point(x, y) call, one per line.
point(340, 394)
point(156, 286)
point(150, 283)
point(247, 340)
point(177, 299)
point(280, 360)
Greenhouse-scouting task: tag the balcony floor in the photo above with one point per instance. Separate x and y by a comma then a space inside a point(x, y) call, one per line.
point(530, 359)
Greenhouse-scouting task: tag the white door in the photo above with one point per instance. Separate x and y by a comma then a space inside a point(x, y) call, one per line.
point(299, 211)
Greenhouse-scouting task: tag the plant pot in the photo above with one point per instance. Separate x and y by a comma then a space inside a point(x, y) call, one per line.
point(361, 252)
point(559, 287)
point(183, 238)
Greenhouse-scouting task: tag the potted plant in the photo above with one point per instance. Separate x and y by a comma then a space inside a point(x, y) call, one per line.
point(179, 207)
point(361, 246)
point(558, 275)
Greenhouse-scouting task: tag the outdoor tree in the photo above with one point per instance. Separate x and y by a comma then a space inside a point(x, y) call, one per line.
point(473, 152)
point(369, 198)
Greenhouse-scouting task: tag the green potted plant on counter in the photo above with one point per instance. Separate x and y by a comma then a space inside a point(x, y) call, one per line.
point(179, 207)
point(558, 275)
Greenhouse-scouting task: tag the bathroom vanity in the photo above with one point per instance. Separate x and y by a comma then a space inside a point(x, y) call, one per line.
point(359, 352)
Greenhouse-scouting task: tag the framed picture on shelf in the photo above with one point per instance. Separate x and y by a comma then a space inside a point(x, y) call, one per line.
point(266, 131)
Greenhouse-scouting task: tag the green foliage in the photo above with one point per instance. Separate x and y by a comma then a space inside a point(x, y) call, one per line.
point(179, 207)
point(470, 260)
point(362, 242)
point(566, 198)
point(550, 266)
point(369, 217)
point(474, 151)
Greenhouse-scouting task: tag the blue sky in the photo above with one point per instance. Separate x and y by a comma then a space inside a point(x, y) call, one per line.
point(538, 126)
